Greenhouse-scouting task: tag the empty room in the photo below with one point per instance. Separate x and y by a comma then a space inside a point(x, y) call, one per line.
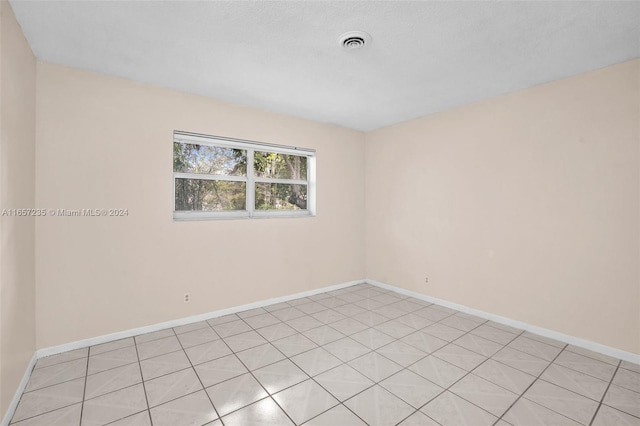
point(319, 213)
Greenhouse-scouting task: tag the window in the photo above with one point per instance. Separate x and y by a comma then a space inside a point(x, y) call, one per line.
point(216, 177)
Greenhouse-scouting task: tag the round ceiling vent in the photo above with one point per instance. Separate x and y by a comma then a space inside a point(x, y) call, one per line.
point(354, 40)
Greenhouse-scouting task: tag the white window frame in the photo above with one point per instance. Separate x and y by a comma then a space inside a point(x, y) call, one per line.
point(250, 147)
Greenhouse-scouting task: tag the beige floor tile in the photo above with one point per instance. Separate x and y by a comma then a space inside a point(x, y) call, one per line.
point(449, 409)
point(158, 347)
point(484, 394)
point(57, 373)
point(140, 419)
point(197, 337)
point(528, 413)
point(207, 352)
point(521, 361)
point(502, 375)
point(172, 386)
point(575, 381)
point(562, 401)
point(114, 406)
point(608, 416)
point(627, 379)
point(112, 380)
point(583, 364)
point(343, 382)
point(315, 361)
point(390, 359)
point(262, 413)
point(48, 399)
point(63, 357)
point(67, 416)
point(535, 348)
point(112, 359)
point(478, 344)
point(411, 388)
point(219, 370)
point(260, 356)
point(338, 415)
point(346, 349)
point(623, 399)
point(375, 366)
point(418, 419)
point(192, 410)
point(280, 375)
point(305, 401)
point(460, 357)
point(164, 364)
point(377, 406)
point(401, 353)
point(235, 393)
point(438, 371)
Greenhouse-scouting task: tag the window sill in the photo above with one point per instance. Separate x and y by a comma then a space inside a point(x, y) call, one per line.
point(269, 214)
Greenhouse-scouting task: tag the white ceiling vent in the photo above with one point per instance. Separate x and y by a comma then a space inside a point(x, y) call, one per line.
point(354, 40)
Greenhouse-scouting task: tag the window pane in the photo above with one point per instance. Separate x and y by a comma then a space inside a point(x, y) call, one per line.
point(209, 195)
point(212, 160)
point(280, 166)
point(280, 196)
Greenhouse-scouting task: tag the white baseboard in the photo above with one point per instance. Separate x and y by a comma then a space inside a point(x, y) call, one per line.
point(52, 350)
point(16, 396)
point(566, 338)
point(583, 343)
point(150, 328)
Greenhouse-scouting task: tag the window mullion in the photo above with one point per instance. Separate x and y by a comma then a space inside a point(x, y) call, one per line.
point(251, 191)
point(311, 186)
point(278, 180)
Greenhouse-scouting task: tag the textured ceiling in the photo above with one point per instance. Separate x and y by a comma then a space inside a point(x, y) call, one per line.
point(284, 56)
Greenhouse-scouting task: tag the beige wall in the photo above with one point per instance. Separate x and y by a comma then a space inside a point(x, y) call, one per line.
point(525, 205)
point(17, 159)
point(105, 142)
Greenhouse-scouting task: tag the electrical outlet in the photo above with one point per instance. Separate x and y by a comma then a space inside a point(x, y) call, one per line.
point(187, 298)
point(426, 280)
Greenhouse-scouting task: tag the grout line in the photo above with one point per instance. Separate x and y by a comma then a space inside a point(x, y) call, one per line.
point(374, 351)
point(42, 414)
point(196, 374)
point(357, 289)
point(532, 383)
point(588, 374)
point(144, 388)
point(313, 378)
point(269, 395)
point(84, 391)
point(374, 327)
point(448, 342)
point(131, 415)
point(287, 358)
point(253, 329)
point(135, 345)
point(448, 388)
point(58, 363)
point(54, 384)
point(605, 394)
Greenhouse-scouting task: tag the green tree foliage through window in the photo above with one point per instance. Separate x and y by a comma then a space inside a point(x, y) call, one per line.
point(209, 195)
point(280, 179)
point(277, 196)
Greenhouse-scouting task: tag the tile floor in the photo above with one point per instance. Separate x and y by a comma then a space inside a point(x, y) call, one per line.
point(356, 356)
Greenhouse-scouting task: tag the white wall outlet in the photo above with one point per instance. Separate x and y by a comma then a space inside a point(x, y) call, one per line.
point(426, 280)
point(187, 298)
